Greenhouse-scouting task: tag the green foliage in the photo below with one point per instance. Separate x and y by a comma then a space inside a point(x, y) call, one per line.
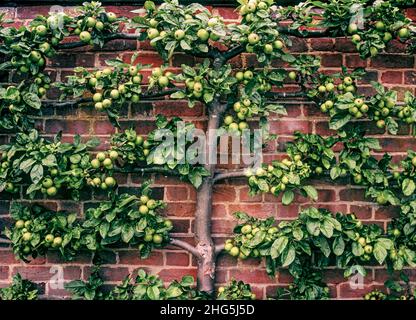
point(399, 289)
point(127, 220)
point(144, 287)
point(371, 27)
point(336, 95)
point(20, 289)
point(111, 87)
point(313, 156)
point(167, 147)
point(316, 238)
point(236, 290)
point(259, 33)
point(48, 166)
point(18, 103)
point(89, 290)
point(175, 28)
point(37, 229)
point(204, 82)
point(307, 287)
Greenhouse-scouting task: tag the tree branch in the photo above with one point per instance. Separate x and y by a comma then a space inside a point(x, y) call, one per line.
point(159, 94)
point(233, 52)
point(304, 34)
point(229, 174)
point(73, 103)
point(161, 170)
point(113, 36)
point(186, 246)
point(219, 248)
point(65, 104)
point(279, 95)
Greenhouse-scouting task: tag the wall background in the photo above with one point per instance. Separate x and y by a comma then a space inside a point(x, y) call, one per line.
point(394, 69)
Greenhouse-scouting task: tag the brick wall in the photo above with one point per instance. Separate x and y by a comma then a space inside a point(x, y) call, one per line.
point(394, 69)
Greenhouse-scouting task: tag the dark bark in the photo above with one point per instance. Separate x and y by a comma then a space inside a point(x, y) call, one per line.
point(229, 174)
point(113, 36)
point(203, 212)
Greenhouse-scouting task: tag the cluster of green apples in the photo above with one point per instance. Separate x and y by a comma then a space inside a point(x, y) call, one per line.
point(106, 97)
point(86, 27)
point(104, 160)
point(160, 77)
point(251, 7)
point(385, 31)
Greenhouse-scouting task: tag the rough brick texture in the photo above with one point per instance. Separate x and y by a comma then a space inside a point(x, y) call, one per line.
point(394, 69)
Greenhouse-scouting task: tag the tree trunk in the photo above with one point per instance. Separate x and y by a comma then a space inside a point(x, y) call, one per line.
point(203, 213)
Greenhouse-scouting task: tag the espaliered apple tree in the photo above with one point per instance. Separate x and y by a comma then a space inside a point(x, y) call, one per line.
point(233, 99)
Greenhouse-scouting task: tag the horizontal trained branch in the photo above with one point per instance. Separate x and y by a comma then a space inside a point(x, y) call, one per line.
point(322, 33)
point(114, 36)
point(160, 170)
point(186, 246)
point(227, 175)
point(73, 103)
point(219, 248)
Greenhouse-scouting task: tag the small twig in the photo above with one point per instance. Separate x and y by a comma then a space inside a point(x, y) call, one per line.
point(186, 246)
point(226, 175)
point(114, 36)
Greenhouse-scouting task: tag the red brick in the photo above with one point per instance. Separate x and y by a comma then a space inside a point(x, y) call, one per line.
point(180, 226)
point(322, 44)
point(7, 257)
point(251, 276)
point(30, 13)
point(395, 77)
point(176, 273)
point(223, 193)
point(355, 61)
point(219, 211)
point(362, 212)
point(78, 126)
point(145, 57)
point(46, 273)
point(4, 272)
point(344, 45)
point(131, 257)
point(331, 60)
point(177, 259)
point(181, 209)
point(170, 108)
point(176, 193)
point(290, 126)
point(261, 210)
point(347, 292)
point(386, 212)
point(352, 195)
point(392, 61)
point(245, 197)
point(222, 226)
